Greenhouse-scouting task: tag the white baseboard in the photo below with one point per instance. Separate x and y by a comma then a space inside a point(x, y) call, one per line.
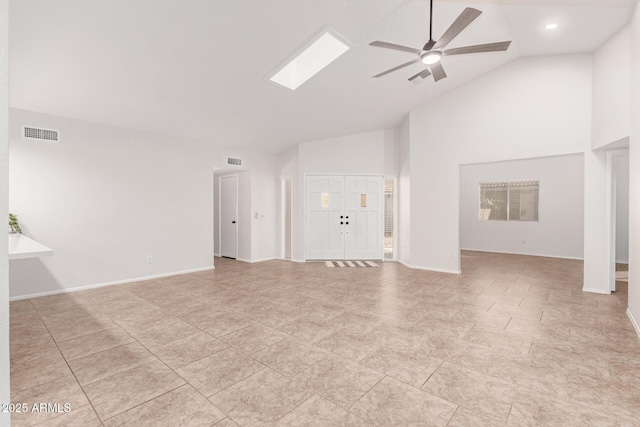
point(264, 259)
point(256, 260)
point(633, 322)
point(426, 268)
point(437, 270)
point(596, 291)
point(216, 254)
point(522, 253)
point(101, 285)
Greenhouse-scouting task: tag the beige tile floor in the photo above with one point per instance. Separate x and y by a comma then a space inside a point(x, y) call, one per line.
point(511, 341)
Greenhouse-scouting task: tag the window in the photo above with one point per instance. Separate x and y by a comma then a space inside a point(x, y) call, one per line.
point(509, 201)
point(389, 185)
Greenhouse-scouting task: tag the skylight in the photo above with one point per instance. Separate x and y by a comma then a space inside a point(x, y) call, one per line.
point(322, 52)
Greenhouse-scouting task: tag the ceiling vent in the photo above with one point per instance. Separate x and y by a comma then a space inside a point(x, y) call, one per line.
point(232, 161)
point(31, 132)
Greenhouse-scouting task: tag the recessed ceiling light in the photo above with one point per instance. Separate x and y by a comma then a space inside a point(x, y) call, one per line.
point(325, 49)
point(551, 26)
point(431, 57)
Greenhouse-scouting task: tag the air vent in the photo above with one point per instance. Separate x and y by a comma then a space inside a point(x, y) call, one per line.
point(31, 132)
point(232, 161)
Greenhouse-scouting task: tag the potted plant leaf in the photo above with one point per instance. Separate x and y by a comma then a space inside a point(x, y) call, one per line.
point(13, 224)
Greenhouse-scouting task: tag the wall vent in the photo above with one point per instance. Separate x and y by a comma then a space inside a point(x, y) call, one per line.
point(31, 132)
point(232, 161)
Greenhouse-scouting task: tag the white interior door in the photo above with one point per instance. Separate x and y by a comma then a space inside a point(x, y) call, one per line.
point(364, 227)
point(229, 216)
point(324, 238)
point(344, 217)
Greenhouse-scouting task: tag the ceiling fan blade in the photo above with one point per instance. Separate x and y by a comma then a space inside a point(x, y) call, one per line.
point(384, 73)
point(418, 78)
point(438, 71)
point(463, 21)
point(396, 47)
point(480, 48)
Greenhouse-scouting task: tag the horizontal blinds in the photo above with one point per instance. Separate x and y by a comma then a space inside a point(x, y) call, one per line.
point(509, 184)
point(493, 184)
point(523, 183)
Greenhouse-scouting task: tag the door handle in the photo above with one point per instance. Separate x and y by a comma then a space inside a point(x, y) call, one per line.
point(347, 222)
point(233, 222)
point(341, 222)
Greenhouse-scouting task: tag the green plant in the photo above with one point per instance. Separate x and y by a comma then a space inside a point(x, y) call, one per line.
point(13, 223)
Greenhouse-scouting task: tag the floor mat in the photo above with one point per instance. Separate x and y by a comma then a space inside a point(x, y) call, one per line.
point(333, 264)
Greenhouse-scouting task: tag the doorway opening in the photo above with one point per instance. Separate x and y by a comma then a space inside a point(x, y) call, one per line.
point(617, 162)
point(229, 216)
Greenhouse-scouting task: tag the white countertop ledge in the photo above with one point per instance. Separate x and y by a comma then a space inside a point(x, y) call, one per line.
point(20, 246)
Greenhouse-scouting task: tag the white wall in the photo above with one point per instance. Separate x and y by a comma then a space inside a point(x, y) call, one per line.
point(634, 173)
point(390, 153)
point(611, 95)
point(559, 231)
point(404, 193)
point(621, 168)
point(358, 154)
point(611, 124)
point(532, 107)
point(5, 395)
point(106, 198)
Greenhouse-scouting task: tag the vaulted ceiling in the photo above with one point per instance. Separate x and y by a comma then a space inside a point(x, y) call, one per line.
point(197, 69)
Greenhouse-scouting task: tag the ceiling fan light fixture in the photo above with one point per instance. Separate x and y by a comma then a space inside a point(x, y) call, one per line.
point(431, 58)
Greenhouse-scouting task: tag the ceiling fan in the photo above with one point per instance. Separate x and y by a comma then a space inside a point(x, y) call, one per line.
point(433, 51)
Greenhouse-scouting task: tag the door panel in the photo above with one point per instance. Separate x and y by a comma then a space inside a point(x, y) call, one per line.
point(363, 234)
point(324, 205)
point(344, 217)
point(229, 216)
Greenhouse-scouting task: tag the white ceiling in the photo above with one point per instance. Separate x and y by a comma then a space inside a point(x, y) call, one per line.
point(196, 69)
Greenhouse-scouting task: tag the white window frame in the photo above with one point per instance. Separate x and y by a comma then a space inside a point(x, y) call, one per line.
point(508, 185)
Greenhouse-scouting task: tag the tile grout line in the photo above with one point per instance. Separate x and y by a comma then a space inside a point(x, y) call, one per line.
point(73, 373)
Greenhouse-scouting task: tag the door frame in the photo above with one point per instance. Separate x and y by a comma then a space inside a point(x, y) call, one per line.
point(610, 215)
point(220, 178)
point(304, 204)
point(283, 213)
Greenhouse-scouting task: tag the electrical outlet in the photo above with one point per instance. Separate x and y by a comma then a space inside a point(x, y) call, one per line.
point(150, 259)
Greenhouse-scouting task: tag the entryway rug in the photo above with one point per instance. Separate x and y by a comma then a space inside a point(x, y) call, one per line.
point(342, 264)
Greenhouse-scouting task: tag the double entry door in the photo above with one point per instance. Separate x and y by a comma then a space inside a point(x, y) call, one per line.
point(344, 217)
